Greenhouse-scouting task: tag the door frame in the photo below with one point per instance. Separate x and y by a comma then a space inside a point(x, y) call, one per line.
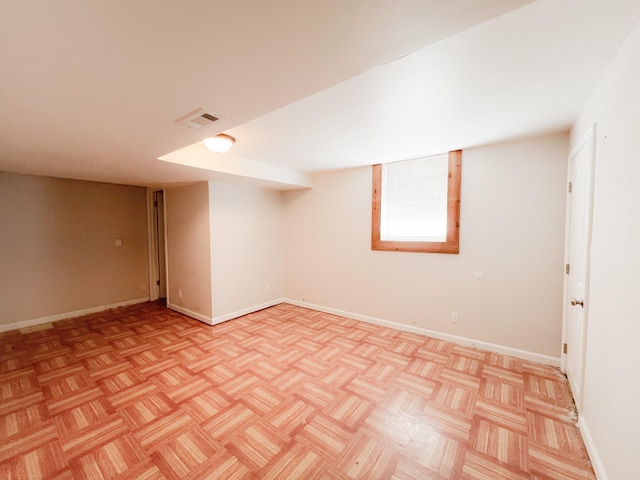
point(588, 138)
point(152, 238)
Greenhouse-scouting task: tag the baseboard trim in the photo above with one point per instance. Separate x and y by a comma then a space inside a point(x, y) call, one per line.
point(594, 456)
point(246, 311)
point(190, 313)
point(226, 316)
point(63, 316)
point(469, 342)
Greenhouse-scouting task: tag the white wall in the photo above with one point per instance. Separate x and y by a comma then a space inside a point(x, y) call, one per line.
point(612, 382)
point(58, 256)
point(247, 256)
point(188, 252)
point(512, 230)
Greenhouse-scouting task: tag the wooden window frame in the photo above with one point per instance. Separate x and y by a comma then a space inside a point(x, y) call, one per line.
point(452, 243)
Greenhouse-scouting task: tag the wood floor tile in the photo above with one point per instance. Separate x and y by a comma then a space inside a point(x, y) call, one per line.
point(54, 363)
point(408, 434)
point(454, 425)
point(457, 377)
point(349, 410)
point(86, 415)
point(164, 429)
point(145, 393)
point(502, 414)
point(504, 393)
point(17, 445)
point(482, 467)
point(316, 393)
point(24, 419)
point(502, 444)
point(442, 455)
point(552, 463)
point(220, 373)
point(14, 361)
point(291, 416)
point(222, 426)
point(112, 459)
point(206, 404)
point(299, 463)
point(464, 364)
point(95, 436)
point(289, 380)
point(236, 387)
point(18, 383)
point(133, 393)
point(263, 399)
point(326, 436)
point(267, 370)
point(147, 409)
point(187, 452)
point(145, 470)
point(408, 469)
point(221, 465)
point(44, 461)
point(366, 458)
point(258, 444)
point(455, 398)
point(73, 400)
point(367, 388)
point(423, 368)
point(556, 435)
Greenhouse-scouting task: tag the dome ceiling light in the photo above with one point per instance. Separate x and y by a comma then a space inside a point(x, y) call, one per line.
point(220, 143)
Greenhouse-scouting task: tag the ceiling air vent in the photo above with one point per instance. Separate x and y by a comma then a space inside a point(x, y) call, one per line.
point(198, 119)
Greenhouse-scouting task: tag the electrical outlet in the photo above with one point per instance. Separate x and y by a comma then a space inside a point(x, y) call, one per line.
point(143, 286)
point(454, 317)
point(180, 293)
point(267, 287)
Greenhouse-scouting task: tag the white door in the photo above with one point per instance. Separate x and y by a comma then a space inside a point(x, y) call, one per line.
point(578, 238)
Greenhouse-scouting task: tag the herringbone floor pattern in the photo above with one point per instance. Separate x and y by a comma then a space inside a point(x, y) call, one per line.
point(285, 393)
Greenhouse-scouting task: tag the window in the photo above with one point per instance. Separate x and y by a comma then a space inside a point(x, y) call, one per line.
point(416, 205)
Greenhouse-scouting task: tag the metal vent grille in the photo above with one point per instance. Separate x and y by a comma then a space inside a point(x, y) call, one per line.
point(198, 119)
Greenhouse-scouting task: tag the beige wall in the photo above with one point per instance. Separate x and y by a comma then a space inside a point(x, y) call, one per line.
point(512, 230)
point(188, 253)
point(57, 246)
point(247, 253)
point(612, 369)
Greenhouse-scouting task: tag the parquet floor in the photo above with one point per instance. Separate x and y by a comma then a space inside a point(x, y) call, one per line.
point(143, 392)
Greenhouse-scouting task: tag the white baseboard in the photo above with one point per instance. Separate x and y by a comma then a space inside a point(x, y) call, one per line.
point(226, 316)
point(189, 313)
point(526, 355)
point(246, 311)
point(63, 316)
point(469, 342)
point(596, 461)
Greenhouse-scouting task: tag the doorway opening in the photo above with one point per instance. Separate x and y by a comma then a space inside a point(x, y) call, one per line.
point(157, 248)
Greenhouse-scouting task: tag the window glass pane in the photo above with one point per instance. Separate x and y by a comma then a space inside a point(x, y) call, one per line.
point(414, 200)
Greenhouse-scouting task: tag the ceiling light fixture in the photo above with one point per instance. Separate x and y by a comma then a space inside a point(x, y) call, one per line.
point(220, 143)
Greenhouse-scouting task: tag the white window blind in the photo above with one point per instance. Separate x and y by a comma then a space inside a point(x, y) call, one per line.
point(414, 200)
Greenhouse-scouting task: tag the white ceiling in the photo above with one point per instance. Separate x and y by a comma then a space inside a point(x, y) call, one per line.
point(91, 90)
